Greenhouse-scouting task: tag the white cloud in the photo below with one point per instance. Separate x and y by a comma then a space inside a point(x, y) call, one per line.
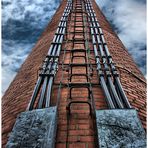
point(128, 18)
point(38, 10)
point(12, 60)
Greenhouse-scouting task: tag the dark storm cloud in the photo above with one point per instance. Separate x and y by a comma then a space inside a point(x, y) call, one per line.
point(128, 19)
point(20, 30)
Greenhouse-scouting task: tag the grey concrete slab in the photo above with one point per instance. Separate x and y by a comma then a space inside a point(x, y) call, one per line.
point(120, 128)
point(34, 129)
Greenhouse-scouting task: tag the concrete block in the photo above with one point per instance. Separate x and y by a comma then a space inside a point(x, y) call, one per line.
point(34, 129)
point(120, 128)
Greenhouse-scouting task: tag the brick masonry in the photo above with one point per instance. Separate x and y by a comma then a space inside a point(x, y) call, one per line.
point(81, 131)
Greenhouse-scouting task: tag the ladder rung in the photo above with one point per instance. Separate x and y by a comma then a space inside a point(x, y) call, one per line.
point(87, 84)
point(79, 56)
point(79, 64)
point(74, 102)
point(80, 74)
point(78, 50)
point(77, 84)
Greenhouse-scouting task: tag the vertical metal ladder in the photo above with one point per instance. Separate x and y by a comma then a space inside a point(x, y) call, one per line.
point(75, 53)
point(80, 90)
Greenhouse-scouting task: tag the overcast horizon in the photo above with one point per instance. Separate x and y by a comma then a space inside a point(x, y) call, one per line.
point(23, 22)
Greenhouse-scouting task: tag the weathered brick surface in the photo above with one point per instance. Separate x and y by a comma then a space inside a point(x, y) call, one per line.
point(81, 129)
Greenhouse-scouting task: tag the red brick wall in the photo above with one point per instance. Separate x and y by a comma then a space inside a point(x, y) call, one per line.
point(19, 93)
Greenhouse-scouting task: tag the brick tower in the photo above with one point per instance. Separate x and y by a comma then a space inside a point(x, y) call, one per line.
point(70, 84)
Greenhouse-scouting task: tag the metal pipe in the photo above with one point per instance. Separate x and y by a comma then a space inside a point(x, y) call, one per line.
point(101, 51)
point(118, 92)
point(122, 93)
point(110, 62)
point(58, 50)
point(35, 93)
point(114, 92)
point(98, 64)
point(42, 96)
point(95, 51)
point(48, 95)
point(37, 87)
point(50, 49)
point(102, 81)
point(112, 96)
point(106, 92)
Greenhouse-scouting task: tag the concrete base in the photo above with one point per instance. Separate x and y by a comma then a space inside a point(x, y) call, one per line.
point(34, 129)
point(120, 128)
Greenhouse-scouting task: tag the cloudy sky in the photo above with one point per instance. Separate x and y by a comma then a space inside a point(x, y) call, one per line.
point(23, 21)
point(128, 19)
